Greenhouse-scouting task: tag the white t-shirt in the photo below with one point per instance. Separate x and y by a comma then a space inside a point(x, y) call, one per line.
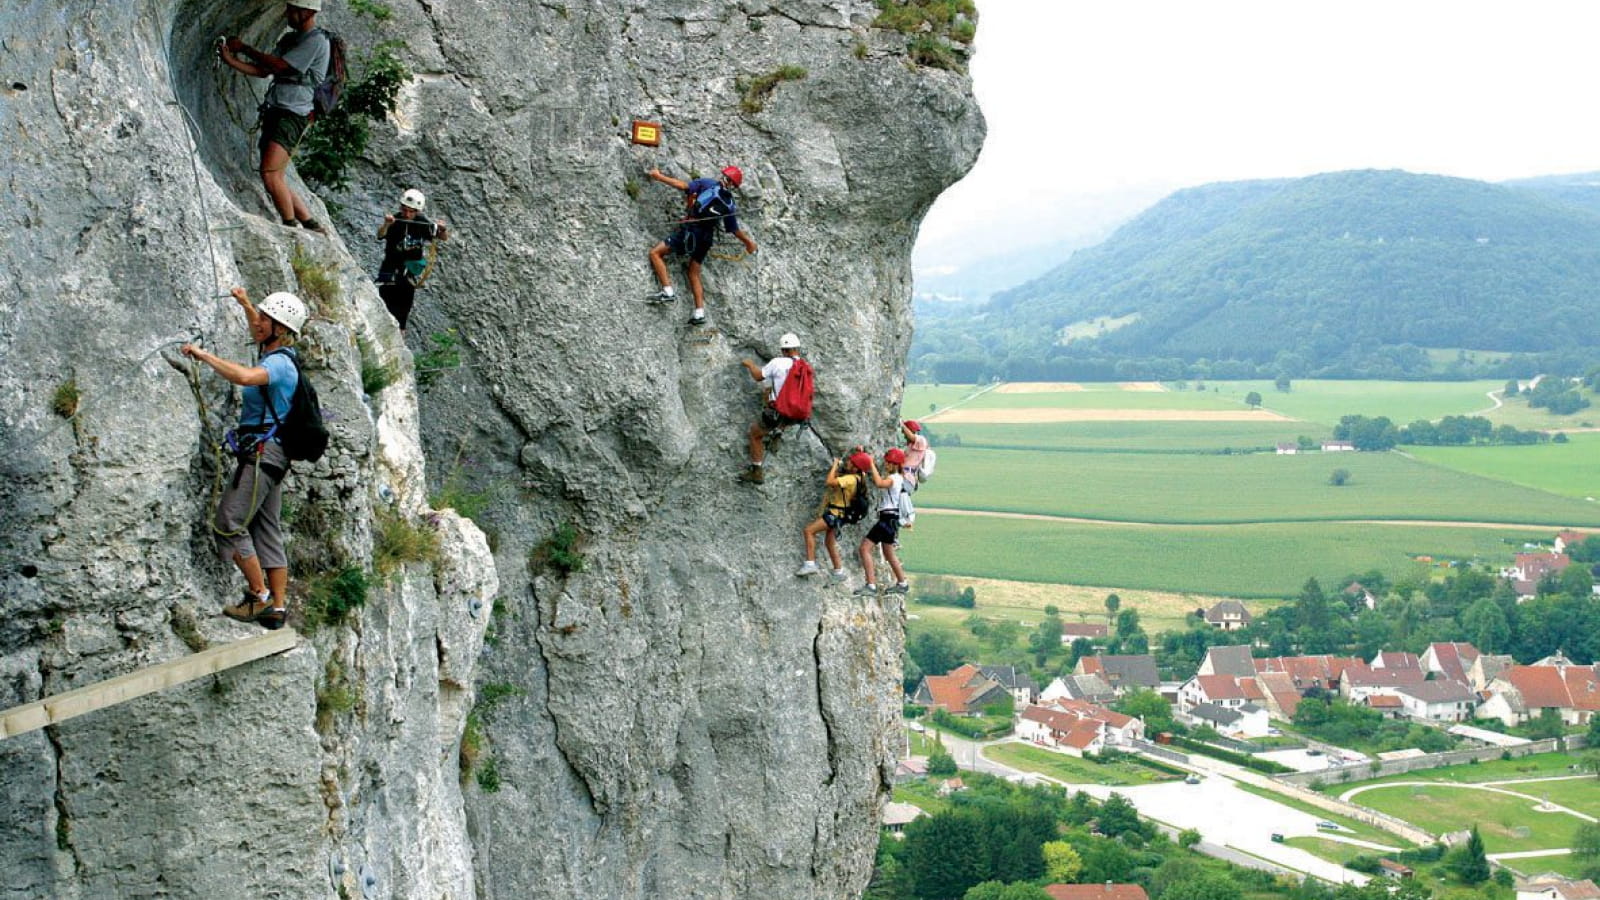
point(890, 501)
point(774, 373)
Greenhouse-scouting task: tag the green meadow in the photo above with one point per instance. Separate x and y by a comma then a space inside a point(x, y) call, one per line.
point(1507, 823)
point(1134, 437)
point(1253, 560)
point(1229, 516)
point(1571, 469)
point(1257, 487)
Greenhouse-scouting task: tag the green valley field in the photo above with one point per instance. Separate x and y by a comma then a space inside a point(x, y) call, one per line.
point(1132, 486)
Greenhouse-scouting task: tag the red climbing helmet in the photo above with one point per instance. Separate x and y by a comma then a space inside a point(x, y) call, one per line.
point(912, 425)
point(862, 461)
point(895, 456)
point(733, 174)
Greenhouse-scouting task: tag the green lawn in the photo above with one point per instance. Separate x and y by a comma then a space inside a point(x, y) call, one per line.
point(1162, 437)
point(1566, 865)
point(1402, 401)
point(1568, 469)
point(1072, 769)
point(1188, 488)
point(919, 397)
point(1332, 851)
point(1516, 411)
point(1507, 823)
point(1265, 561)
point(921, 793)
point(1356, 829)
point(1107, 397)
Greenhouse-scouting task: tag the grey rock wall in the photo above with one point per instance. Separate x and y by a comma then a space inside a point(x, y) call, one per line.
point(680, 718)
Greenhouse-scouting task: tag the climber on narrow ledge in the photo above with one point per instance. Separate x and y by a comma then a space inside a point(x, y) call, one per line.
point(845, 484)
point(406, 237)
point(297, 65)
point(916, 448)
point(887, 529)
point(774, 376)
point(708, 202)
point(247, 520)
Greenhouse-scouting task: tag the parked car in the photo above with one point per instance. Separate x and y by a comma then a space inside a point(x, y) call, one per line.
point(1277, 838)
point(1191, 778)
point(1312, 751)
point(1325, 825)
point(918, 727)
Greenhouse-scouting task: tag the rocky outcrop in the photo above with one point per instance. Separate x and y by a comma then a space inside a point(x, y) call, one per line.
point(679, 716)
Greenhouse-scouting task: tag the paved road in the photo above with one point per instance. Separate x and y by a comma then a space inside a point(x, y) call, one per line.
point(1227, 816)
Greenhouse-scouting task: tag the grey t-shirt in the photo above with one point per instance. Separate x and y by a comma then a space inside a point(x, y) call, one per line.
point(308, 53)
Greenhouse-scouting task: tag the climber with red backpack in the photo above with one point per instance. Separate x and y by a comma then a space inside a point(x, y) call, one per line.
point(789, 383)
point(709, 202)
point(307, 69)
point(247, 520)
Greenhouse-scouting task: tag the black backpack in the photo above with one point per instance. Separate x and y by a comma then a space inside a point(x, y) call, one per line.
point(302, 434)
point(325, 94)
point(860, 503)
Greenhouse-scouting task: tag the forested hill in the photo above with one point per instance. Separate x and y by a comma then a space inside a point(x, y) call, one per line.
point(1347, 273)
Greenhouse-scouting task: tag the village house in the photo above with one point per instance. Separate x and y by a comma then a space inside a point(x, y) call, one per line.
point(1438, 700)
point(1288, 448)
point(1360, 680)
point(1110, 891)
point(1227, 615)
point(1450, 660)
point(1092, 688)
point(1528, 569)
point(896, 816)
point(1485, 668)
point(1125, 672)
point(1092, 631)
point(1226, 691)
point(1232, 660)
point(1554, 887)
point(1356, 593)
point(1023, 690)
point(1522, 693)
point(1566, 540)
point(1244, 721)
point(1077, 727)
point(1389, 706)
point(965, 691)
point(1338, 447)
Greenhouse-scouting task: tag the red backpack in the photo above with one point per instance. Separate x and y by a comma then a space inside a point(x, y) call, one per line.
point(794, 400)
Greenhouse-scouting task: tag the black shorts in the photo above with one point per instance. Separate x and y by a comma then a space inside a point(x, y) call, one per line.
point(832, 519)
point(772, 421)
point(282, 127)
point(887, 529)
point(691, 241)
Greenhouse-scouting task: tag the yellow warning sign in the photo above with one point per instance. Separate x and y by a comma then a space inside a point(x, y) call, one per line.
point(647, 133)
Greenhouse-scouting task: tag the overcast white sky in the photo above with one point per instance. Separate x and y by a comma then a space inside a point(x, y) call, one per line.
point(1091, 97)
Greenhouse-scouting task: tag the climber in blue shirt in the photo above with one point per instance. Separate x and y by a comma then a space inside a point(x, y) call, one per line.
point(709, 202)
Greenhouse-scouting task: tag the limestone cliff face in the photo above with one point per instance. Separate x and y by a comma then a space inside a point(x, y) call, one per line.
point(681, 717)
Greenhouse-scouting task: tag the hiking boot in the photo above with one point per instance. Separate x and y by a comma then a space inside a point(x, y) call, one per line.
point(753, 475)
point(866, 590)
point(809, 567)
point(273, 617)
point(313, 225)
point(248, 609)
point(899, 587)
point(837, 576)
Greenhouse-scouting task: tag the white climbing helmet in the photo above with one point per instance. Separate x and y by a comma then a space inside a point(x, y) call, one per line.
point(413, 199)
point(789, 341)
point(313, 5)
point(285, 309)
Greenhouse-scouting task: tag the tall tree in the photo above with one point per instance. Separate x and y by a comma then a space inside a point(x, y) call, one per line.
point(1469, 862)
point(1062, 864)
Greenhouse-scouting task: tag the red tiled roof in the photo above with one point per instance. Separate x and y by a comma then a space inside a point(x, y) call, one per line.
point(1397, 659)
point(1082, 735)
point(1222, 687)
point(1540, 686)
point(948, 691)
point(1087, 710)
point(1282, 690)
point(1454, 658)
point(1096, 892)
point(1364, 675)
point(1384, 701)
point(1091, 665)
point(1084, 629)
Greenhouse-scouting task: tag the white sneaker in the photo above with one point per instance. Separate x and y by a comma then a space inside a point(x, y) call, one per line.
point(664, 295)
point(838, 576)
point(698, 317)
point(809, 567)
point(899, 587)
